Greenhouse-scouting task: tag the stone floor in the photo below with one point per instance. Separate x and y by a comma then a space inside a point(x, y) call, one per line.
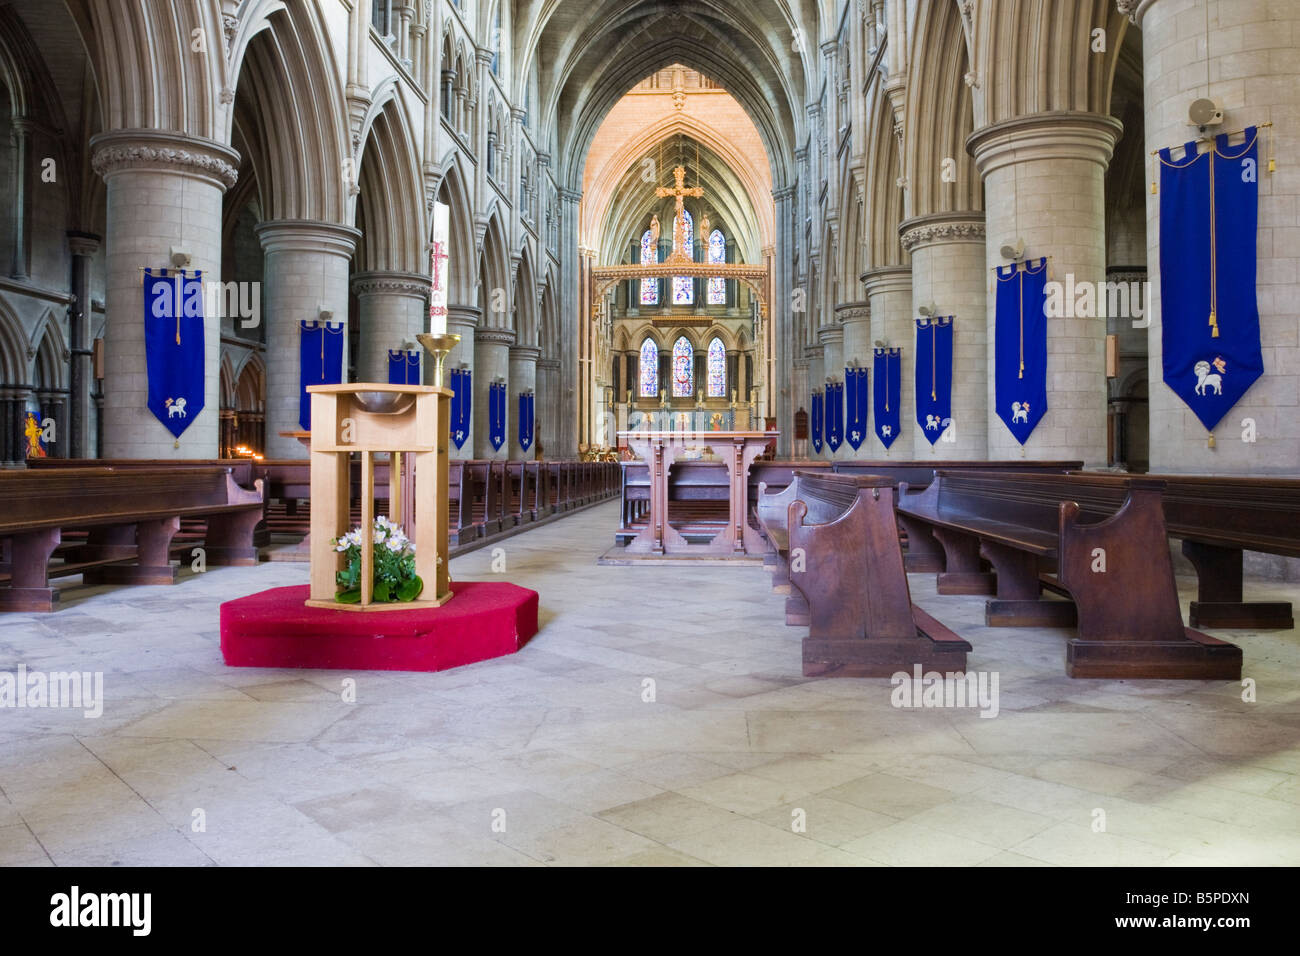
point(566, 754)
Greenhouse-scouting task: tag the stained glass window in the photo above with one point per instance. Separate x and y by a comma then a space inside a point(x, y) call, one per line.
point(683, 367)
point(649, 256)
point(649, 368)
point(684, 286)
point(717, 253)
point(717, 368)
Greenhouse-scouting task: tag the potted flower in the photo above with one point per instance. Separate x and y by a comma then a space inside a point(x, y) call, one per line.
point(394, 565)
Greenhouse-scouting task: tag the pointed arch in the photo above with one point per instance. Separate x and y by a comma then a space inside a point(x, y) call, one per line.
point(648, 368)
point(392, 190)
point(290, 116)
point(464, 262)
point(494, 276)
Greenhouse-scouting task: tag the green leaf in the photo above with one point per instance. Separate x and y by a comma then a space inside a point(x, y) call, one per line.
point(349, 597)
point(410, 589)
point(383, 591)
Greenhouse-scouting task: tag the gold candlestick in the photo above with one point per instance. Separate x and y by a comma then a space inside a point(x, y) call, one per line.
point(439, 346)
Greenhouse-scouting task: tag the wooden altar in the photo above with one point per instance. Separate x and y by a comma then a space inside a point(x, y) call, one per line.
point(736, 451)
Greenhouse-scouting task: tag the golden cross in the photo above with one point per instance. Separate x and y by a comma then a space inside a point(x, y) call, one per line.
point(680, 192)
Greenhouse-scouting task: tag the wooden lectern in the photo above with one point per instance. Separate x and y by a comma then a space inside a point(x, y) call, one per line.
point(370, 419)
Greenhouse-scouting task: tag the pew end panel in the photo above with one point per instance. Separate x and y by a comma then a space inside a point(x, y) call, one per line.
point(849, 570)
point(1134, 630)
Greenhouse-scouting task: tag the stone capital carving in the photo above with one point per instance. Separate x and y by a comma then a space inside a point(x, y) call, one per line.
point(830, 334)
point(307, 235)
point(1051, 135)
point(848, 312)
point(464, 317)
point(941, 228)
point(550, 364)
point(524, 353)
point(129, 150)
point(494, 337)
point(391, 283)
point(83, 243)
point(811, 352)
point(887, 279)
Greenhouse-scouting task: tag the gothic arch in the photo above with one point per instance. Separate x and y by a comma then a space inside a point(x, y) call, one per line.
point(290, 118)
point(390, 202)
point(939, 116)
point(13, 348)
point(146, 72)
point(494, 276)
point(49, 368)
point(464, 261)
point(884, 196)
point(526, 304)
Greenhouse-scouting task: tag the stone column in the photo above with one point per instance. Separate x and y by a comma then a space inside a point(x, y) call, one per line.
point(20, 138)
point(814, 378)
point(392, 309)
point(491, 362)
point(462, 320)
point(1044, 182)
point(571, 292)
point(548, 405)
point(947, 251)
point(164, 193)
point(83, 247)
point(889, 291)
point(832, 340)
point(523, 376)
point(1254, 72)
point(855, 320)
point(786, 399)
point(306, 274)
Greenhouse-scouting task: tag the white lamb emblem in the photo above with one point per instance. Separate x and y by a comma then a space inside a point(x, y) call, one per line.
point(1204, 379)
point(886, 430)
point(932, 422)
point(1019, 412)
point(177, 408)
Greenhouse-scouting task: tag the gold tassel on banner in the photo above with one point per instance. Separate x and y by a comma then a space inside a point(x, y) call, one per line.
point(1214, 325)
point(1272, 163)
point(1209, 442)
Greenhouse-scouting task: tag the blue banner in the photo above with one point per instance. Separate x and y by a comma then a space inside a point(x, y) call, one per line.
point(888, 393)
point(855, 401)
point(403, 367)
point(817, 417)
point(934, 376)
point(462, 404)
point(1209, 210)
point(834, 415)
point(174, 346)
point(525, 420)
point(1020, 347)
point(497, 415)
point(321, 361)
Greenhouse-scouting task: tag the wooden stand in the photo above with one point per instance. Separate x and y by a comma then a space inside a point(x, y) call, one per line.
point(375, 419)
point(660, 450)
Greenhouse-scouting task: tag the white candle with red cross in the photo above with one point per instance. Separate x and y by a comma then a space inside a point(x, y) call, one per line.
point(439, 256)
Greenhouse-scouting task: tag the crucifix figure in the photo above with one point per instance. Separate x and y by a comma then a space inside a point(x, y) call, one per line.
point(679, 192)
point(438, 256)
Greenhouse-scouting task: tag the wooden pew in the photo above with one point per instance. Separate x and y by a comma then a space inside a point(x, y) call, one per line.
point(1219, 517)
point(838, 542)
point(245, 472)
point(132, 514)
point(1103, 536)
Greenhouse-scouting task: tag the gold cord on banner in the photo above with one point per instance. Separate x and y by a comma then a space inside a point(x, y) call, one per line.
point(179, 277)
point(1214, 255)
point(886, 380)
point(934, 347)
point(1022, 324)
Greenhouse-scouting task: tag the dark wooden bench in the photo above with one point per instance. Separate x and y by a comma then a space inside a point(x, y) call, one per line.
point(131, 515)
point(1217, 518)
point(837, 542)
point(1103, 537)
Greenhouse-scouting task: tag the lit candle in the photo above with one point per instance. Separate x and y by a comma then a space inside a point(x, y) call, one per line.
point(438, 259)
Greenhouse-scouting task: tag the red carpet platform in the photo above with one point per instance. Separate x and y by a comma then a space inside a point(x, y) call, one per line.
point(275, 629)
